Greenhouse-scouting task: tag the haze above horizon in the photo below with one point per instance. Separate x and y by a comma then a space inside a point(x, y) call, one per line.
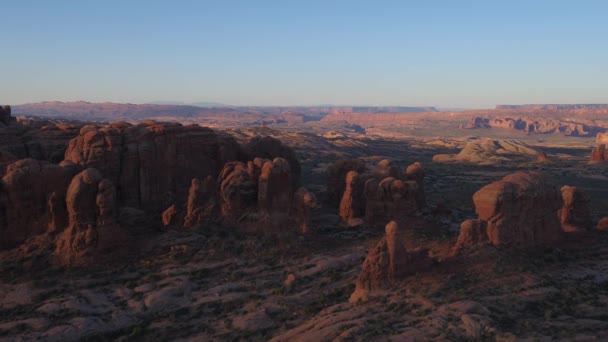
point(470, 54)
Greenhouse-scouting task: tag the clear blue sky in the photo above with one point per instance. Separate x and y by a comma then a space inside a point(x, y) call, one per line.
point(441, 53)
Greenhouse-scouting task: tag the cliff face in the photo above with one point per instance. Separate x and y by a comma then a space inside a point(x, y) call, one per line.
point(553, 106)
point(537, 125)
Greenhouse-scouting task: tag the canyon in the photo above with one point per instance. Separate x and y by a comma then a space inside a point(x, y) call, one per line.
point(153, 222)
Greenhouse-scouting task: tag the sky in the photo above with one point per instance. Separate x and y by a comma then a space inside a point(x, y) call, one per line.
point(463, 54)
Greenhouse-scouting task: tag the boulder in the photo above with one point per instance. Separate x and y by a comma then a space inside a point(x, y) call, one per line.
point(520, 210)
point(575, 214)
point(388, 263)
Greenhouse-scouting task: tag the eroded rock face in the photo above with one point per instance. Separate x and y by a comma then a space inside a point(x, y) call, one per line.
point(599, 154)
point(32, 201)
point(520, 209)
point(472, 232)
point(275, 187)
point(601, 138)
point(390, 199)
point(238, 190)
point(93, 234)
point(389, 262)
point(336, 177)
point(202, 202)
point(575, 215)
point(352, 205)
point(271, 148)
point(534, 125)
point(386, 168)
point(152, 163)
point(415, 172)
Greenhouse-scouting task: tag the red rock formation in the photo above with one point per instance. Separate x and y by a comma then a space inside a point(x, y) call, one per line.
point(352, 205)
point(601, 138)
point(32, 198)
point(93, 234)
point(541, 158)
point(390, 199)
point(386, 168)
point(275, 187)
point(238, 191)
point(520, 210)
point(336, 177)
point(575, 215)
point(389, 262)
point(271, 148)
point(472, 232)
point(304, 202)
point(415, 172)
point(171, 217)
point(152, 163)
point(202, 202)
point(602, 225)
point(599, 154)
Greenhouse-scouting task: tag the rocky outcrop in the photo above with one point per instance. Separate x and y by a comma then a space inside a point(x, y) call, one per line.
point(472, 232)
point(415, 172)
point(152, 164)
point(336, 177)
point(275, 191)
point(202, 202)
point(541, 158)
point(304, 201)
point(575, 214)
point(390, 199)
point(238, 190)
point(519, 210)
point(388, 263)
point(386, 168)
point(535, 125)
point(601, 138)
point(33, 199)
point(352, 205)
point(602, 225)
point(489, 152)
point(271, 148)
point(93, 234)
point(599, 154)
point(172, 217)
